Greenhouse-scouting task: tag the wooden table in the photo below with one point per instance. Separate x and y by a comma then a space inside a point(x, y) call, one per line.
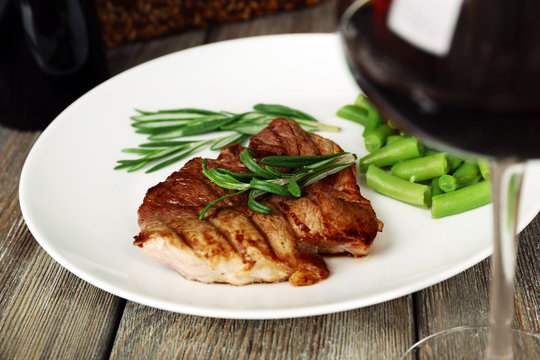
point(48, 313)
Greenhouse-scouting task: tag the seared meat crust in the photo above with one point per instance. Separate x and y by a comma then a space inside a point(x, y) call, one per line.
point(235, 245)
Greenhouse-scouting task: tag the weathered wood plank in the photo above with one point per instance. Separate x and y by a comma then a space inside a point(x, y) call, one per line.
point(377, 332)
point(461, 300)
point(318, 18)
point(464, 299)
point(129, 55)
point(45, 311)
point(528, 278)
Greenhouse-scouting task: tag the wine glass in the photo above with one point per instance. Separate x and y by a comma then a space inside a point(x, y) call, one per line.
point(464, 77)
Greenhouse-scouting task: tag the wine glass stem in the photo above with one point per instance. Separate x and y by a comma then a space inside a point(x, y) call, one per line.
point(506, 177)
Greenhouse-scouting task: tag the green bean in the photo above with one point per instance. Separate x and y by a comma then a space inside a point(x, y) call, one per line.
point(483, 165)
point(472, 180)
point(373, 119)
point(466, 173)
point(376, 139)
point(453, 162)
point(393, 138)
point(420, 169)
point(405, 149)
point(461, 200)
point(361, 101)
point(397, 188)
point(447, 183)
point(435, 189)
point(353, 113)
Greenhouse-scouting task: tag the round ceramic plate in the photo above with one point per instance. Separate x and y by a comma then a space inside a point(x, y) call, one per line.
point(83, 213)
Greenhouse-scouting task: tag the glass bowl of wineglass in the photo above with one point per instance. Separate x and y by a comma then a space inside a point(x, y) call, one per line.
point(464, 77)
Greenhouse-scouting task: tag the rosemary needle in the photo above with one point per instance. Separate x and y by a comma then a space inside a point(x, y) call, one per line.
point(165, 128)
point(310, 170)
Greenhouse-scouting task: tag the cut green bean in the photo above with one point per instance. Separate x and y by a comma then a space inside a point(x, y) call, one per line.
point(393, 138)
point(472, 180)
point(373, 119)
point(361, 101)
point(353, 113)
point(461, 200)
point(420, 169)
point(483, 165)
point(377, 138)
point(405, 149)
point(466, 173)
point(397, 188)
point(447, 183)
point(453, 162)
point(435, 189)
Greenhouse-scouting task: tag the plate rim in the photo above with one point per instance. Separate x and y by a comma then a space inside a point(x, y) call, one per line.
point(247, 314)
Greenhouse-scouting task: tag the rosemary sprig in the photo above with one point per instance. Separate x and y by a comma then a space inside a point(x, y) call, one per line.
point(164, 128)
point(309, 169)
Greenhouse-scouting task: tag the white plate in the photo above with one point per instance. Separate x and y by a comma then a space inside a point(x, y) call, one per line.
point(83, 213)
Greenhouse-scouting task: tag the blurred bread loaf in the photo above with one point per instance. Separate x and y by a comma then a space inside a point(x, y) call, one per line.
point(124, 21)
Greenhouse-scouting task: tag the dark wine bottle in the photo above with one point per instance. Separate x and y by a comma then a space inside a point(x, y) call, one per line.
point(482, 96)
point(53, 56)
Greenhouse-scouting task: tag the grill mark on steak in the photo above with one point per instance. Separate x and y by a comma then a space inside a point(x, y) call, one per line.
point(235, 245)
point(299, 224)
point(239, 229)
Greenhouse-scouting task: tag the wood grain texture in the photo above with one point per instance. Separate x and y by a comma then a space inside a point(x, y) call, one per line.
point(464, 298)
point(127, 56)
point(377, 332)
point(45, 311)
point(527, 295)
point(319, 18)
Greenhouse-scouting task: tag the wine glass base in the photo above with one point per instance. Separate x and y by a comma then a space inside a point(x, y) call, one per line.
point(467, 342)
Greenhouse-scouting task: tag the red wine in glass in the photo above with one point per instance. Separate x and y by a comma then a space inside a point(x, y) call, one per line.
point(483, 96)
point(472, 86)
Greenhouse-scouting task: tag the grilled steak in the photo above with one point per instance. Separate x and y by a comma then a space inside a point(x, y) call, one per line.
point(235, 245)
